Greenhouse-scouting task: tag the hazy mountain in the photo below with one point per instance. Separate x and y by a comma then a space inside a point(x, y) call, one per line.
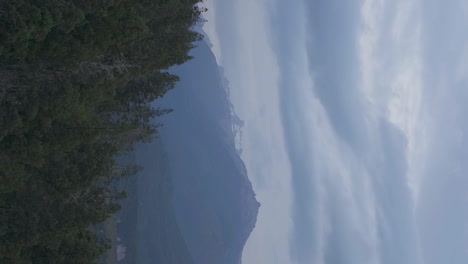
point(211, 197)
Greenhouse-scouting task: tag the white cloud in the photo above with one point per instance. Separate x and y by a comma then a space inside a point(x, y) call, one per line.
point(391, 67)
point(211, 30)
point(121, 251)
point(252, 69)
point(324, 189)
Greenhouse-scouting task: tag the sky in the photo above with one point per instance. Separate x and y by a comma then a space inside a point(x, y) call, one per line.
point(355, 126)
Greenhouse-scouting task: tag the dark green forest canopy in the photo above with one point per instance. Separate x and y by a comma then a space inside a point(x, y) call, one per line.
point(77, 79)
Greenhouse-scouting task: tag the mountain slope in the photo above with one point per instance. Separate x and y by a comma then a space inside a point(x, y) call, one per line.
point(214, 202)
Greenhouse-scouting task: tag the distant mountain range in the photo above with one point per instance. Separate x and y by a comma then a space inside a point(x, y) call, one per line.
point(211, 197)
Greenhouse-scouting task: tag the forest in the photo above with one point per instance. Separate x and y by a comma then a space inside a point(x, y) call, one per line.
point(77, 79)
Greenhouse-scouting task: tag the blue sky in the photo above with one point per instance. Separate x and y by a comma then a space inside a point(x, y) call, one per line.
point(355, 123)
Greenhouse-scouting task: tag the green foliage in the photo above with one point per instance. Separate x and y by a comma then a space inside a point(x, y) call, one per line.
point(77, 79)
point(77, 30)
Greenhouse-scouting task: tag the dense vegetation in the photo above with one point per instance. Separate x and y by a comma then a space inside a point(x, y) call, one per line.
point(76, 82)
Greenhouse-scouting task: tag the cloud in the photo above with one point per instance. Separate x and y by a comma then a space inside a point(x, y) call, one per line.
point(253, 72)
point(443, 221)
point(355, 119)
point(121, 252)
point(352, 203)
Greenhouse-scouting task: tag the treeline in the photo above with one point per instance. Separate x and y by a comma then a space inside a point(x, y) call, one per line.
point(77, 79)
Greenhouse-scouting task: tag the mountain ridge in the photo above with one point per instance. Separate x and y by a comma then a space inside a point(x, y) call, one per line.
point(213, 197)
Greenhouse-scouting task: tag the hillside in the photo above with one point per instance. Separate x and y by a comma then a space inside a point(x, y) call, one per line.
point(214, 202)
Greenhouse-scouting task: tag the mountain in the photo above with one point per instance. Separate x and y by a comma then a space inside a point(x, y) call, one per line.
point(211, 209)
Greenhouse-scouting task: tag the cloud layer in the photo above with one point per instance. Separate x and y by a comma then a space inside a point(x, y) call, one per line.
point(354, 136)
